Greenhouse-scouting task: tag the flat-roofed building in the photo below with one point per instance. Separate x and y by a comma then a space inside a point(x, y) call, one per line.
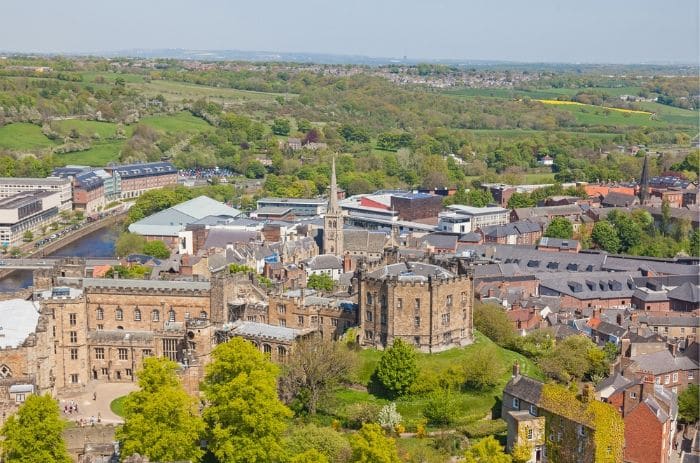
point(300, 207)
point(10, 186)
point(26, 212)
point(465, 219)
point(134, 179)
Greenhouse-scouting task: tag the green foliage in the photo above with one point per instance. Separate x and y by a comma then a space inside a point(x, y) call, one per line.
point(397, 369)
point(309, 456)
point(689, 404)
point(244, 416)
point(240, 268)
point(483, 428)
point(327, 441)
point(480, 371)
point(322, 282)
point(133, 271)
point(521, 453)
point(560, 227)
point(573, 359)
point(27, 236)
point(161, 420)
point(439, 409)
point(487, 450)
point(280, 126)
point(371, 445)
point(492, 321)
point(35, 433)
point(129, 243)
point(157, 249)
point(605, 237)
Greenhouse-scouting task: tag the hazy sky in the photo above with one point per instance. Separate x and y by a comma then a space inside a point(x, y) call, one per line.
point(621, 31)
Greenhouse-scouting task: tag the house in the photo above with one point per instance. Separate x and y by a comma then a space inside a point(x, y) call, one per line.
point(615, 199)
point(571, 211)
point(685, 298)
point(672, 325)
point(439, 243)
point(546, 161)
point(671, 370)
point(323, 264)
point(519, 233)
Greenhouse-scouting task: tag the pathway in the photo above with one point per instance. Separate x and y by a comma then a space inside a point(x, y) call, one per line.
point(89, 409)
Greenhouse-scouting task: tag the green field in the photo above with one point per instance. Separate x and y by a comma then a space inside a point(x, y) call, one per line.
point(23, 137)
point(99, 155)
point(177, 91)
point(182, 122)
point(471, 405)
point(117, 406)
point(85, 128)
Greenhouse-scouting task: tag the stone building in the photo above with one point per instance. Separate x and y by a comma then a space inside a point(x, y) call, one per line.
point(423, 304)
point(333, 221)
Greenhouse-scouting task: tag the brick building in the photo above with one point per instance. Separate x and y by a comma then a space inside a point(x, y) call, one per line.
point(138, 178)
point(88, 192)
point(423, 304)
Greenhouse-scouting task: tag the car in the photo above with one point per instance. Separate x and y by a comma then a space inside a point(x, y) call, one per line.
point(2, 262)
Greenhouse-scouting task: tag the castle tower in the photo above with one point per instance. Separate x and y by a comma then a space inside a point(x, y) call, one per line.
point(644, 181)
point(333, 220)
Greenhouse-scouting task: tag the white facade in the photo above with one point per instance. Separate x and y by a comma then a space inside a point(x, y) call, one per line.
point(466, 219)
point(10, 186)
point(27, 212)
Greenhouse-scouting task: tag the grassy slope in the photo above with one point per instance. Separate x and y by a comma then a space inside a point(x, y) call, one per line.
point(23, 137)
point(177, 91)
point(471, 405)
point(176, 123)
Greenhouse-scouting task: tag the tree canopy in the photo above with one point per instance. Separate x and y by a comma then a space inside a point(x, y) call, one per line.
point(161, 420)
point(560, 227)
point(321, 282)
point(397, 369)
point(371, 445)
point(157, 249)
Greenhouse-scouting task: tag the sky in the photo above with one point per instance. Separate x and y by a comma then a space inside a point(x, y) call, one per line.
point(589, 31)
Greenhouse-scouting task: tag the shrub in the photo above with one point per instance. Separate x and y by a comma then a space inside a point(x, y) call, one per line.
point(440, 408)
point(483, 428)
point(360, 413)
point(397, 369)
point(388, 417)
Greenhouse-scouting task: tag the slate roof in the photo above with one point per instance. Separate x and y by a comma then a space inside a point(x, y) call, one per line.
point(523, 213)
point(525, 388)
point(324, 261)
point(220, 237)
point(530, 260)
point(512, 228)
point(679, 320)
point(615, 199)
point(471, 237)
point(364, 241)
point(610, 329)
point(500, 269)
point(440, 241)
point(558, 243)
point(263, 331)
point(660, 266)
point(686, 292)
point(147, 284)
point(614, 383)
point(411, 271)
point(144, 169)
point(595, 285)
point(663, 362)
point(650, 296)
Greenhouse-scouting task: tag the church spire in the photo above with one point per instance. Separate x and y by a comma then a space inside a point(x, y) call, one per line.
point(333, 199)
point(644, 181)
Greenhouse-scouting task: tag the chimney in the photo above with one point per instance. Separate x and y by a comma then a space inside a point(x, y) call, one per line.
point(673, 347)
point(619, 319)
point(516, 369)
point(588, 393)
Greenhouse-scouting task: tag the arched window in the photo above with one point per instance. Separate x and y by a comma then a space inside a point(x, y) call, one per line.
point(171, 315)
point(281, 352)
point(203, 314)
point(100, 313)
point(119, 314)
point(155, 315)
point(137, 315)
point(5, 372)
point(267, 348)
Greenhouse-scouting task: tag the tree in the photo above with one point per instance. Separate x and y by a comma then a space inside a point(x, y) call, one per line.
point(689, 404)
point(521, 453)
point(487, 450)
point(161, 420)
point(280, 126)
point(605, 237)
point(440, 407)
point(157, 249)
point(480, 371)
point(244, 416)
point(388, 418)
point(327, 441)
point(313, 369)
point(695, 243)
point(28, 236)
point(322, 282)
point(573, 358)
point(129, 243)
point(560, 227)
point(491, 320)
point(665, 217)
point(371, 445)
point(397, 369)
point(35, 433)
point(309, 456)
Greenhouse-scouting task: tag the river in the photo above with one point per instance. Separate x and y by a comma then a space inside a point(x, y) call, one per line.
point(97, 244)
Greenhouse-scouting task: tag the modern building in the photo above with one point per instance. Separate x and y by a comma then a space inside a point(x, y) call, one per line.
point(299, 207)
point(88, 192)
point(134, 179)
point(465, 219)
point(10, 186)
point(27, 212)
point(422, 304)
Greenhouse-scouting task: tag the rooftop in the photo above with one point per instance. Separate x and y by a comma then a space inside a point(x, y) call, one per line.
point(411, 271)
point(18, 319)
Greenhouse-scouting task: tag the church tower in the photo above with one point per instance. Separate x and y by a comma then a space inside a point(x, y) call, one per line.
point(644, 182)
point(333, 221)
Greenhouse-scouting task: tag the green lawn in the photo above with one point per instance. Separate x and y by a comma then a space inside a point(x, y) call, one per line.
point(23, 137)
point(177, 91)
point(99, 155)
point(85, 128)
point(176, 123)
point(470, 405)
point(117, 406)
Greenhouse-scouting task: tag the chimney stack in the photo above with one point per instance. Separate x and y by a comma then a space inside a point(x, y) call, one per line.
point(516, 369)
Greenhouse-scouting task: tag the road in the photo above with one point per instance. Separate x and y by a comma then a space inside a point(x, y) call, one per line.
point(47, 262)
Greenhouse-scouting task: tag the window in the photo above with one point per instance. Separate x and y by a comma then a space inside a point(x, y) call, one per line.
point(445, 319)
point(399, 303)
point(155, 315)
point(416, 321)
point(53, 329)
point(334, 322)
point(516, 403)
point(128, 372)
point(281, 309)
point(171, 316)
point(633, 395)
point(369, 334)
point(464, 296)
point(100, 353)
point(281, 352)
point(529, 433)
point(533, 410)
point(447, 337)
point(658, 380)
point(119, 314)
point(581, 431)
point(448, 301)
point(146, 353)
point(369, 298)
point(267, 348)
point(368, 315)
point(100, 326)
point(73, 336)
point(300, 320)
point(203, 315)
point(416, 340)
point(282, 322)
point(417, 303)
point(74, 378)
point(690, 375)
point(105, 371)
point(137, 315)
point(100, 313)
point(74, 353)
point(73, 319)
point(682, 330)
point(123, 354)
point(675, 377)
point(667, 379)
point(674, 389)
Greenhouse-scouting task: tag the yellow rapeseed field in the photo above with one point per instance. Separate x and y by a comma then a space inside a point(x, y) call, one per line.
point(559, 102)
